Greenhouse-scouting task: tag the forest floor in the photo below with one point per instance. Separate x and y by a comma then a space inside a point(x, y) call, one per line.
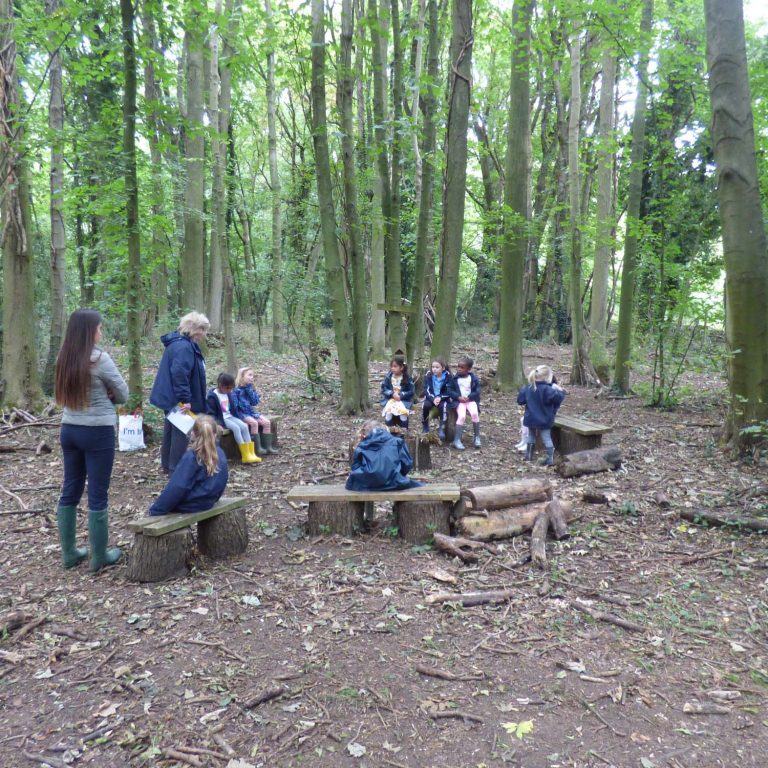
point(113, 673)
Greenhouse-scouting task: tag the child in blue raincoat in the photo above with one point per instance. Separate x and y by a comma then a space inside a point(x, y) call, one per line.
point(380, 461)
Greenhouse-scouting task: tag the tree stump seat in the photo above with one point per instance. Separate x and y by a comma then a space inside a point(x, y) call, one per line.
point(162, 544)
point(573, 433)
point(419, 512)
point(450, 422)
point(229, 445)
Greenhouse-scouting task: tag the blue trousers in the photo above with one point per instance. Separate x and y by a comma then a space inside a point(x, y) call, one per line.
point(546, 437)
point(89, 452)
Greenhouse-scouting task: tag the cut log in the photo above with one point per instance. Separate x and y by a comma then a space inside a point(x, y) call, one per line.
point(419, 521)
point(503, 523)
point(471, 598)
point(224, 535)
point(420, 451)
point(557, 520)
point(156, 558)
point(723, 519)
point(539, 539)
point(13, 620)
point(661, 500)
point(512, 494)
point(589, 462)
point(345, 518)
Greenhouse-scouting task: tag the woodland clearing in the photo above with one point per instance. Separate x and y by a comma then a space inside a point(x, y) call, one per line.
point(324, 651)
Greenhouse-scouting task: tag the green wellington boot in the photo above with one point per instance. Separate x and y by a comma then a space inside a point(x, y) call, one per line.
point(66, 517)
point(98, 535)
point(266, 441)
point(258, 443)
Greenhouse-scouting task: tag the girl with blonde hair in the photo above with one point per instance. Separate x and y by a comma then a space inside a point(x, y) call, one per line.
point(200, 477)
point(541, 398)
point(246, 399)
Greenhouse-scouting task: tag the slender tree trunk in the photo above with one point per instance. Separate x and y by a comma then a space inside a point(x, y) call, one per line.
point(741, 216)
point(58, 232)
point(20, 381)
point(192, 265)
point(350, 395)
point(134, 277)
point(415, 339)
point(598, 319)
point(278, 297)
point(510, 373)
point(626, 302)
point(455, 185)
point(378, 290)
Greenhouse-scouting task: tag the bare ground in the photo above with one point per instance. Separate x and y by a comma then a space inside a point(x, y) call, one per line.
point(111, 673)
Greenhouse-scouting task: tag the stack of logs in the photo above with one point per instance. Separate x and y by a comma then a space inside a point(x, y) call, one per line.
point(491, 512)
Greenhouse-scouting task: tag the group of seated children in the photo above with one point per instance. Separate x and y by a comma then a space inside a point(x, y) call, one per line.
point(442, 391)
point(232, 403)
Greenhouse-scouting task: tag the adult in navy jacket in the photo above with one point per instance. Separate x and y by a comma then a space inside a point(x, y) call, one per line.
point(180, 383)
point(380, 462)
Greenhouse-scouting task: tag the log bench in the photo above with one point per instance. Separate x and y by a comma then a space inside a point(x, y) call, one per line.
point(419, 512)
point(572, 433)
point(162, 544)
point(229, 446)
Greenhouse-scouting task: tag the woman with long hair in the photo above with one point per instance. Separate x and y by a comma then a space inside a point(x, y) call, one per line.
point(87, 385)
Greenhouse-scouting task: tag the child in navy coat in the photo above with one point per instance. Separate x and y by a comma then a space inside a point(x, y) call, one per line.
point(380, 461)
point(439, 392)
point(200, 476)
point(246, 399)
point(397, 392)
point(468, 401)
point(223, 407)
point(541, 398)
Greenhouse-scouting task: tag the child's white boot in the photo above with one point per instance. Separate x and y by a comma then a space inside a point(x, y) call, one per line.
point(457, 444)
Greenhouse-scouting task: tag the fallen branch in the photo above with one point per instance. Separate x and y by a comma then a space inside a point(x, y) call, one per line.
point(13, 620)
point(609, 618)
point(53, 762)
point(263, 697)
point(173, 754)
point(14, 496)
point(469, 599)
point(706, 555)
point(718, 521)
point(27, 628)
point(452, 545)
point(457, 714)
point(445, 675)
point(513, 494)
point(504, 523)
point(558, 520)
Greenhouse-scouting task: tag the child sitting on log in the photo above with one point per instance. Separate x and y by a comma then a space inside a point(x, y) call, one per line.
point(200, 476)
point(468, 386)
point(246, 399)
point(397, 392)
point(380, 461)
point(541, 398)
point(440, 392)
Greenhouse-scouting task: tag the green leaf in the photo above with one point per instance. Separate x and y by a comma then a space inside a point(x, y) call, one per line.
point(519, 729)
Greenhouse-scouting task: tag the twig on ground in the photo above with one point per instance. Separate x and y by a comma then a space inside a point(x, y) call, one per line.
point(445, 675)
point(457, 714)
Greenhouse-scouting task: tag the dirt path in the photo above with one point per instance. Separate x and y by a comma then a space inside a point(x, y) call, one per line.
point(112, 673)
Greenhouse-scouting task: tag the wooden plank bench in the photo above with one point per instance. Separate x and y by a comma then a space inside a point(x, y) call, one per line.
point(419, 512)
point(573, 433)
point(162, 544)
point(229, 446)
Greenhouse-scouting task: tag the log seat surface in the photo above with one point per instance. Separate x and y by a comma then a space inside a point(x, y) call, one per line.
point(432, 492)
point(162, 524)
point(574, 433)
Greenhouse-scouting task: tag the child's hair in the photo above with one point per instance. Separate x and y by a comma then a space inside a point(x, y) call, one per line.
point(203, 442)
point(72, 385)
point(468, 361)
point(370, 426)
point(240, 380)
point(399, 358)
point(540, 373)
point(225, 380)
point(442, 362)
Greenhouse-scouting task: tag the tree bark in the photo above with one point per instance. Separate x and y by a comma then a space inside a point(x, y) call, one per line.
point(417, 521)
point(589, 462)
point(20, 385)
point(621, 368)
point(455, 180)
point(504, 523)
point(741, 216)
point(510, 373)
point(512, 494)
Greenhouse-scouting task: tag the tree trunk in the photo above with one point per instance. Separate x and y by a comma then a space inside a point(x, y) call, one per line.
point(378, 296)
point(417, 521)
point(455, 184)
point(598, 317)
point(58, 232)
point(741, 216)
point(223, 535)
point(350, 394)
point(512, 494)
point(20, 385)
point(278, 297)
point(589, 462)
point(192, 267)
point(510, 373)
point(355, 256)
point(621, 368)
point(133, 233)
point(503, 523)
point(415, 338)
point(156, 558)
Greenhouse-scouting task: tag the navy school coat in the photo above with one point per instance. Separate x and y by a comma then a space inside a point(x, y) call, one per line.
point(381, 462)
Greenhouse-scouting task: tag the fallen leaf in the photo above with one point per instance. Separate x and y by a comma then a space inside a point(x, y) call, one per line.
point(355, 749)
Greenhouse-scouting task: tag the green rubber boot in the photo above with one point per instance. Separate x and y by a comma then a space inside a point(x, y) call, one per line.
point(98, 535)
point(266, 441)
point(258, 443)
point(66, 517)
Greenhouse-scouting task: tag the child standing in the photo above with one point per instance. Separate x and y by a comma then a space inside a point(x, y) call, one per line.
point(380, 462)
point(541, 398)
point(200, 476)
point(397, 391)
point(468, 401)
point(247, 398)
point(224, 410)
point(439, 392)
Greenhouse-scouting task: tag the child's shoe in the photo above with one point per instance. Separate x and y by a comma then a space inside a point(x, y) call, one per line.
point(549, 459)
point(476, 429)
point(457, 444)
point(441, 431)
point(521, 446)
point(529, 452)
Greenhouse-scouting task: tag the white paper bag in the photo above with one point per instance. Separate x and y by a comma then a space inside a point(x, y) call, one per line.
point(130, 432)
point(182, 421)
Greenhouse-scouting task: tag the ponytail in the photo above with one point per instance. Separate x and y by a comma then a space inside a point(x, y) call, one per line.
point(203, 443)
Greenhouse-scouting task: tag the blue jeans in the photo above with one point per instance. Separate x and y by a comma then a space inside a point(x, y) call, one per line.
point(546, 437)
point(89, 452)
point(175, 444)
